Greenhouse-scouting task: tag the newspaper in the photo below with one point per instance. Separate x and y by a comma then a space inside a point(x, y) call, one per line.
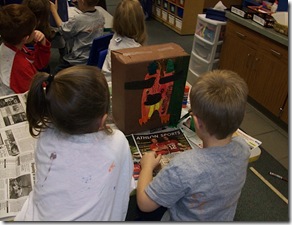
point(168, 142)
point(17, 166)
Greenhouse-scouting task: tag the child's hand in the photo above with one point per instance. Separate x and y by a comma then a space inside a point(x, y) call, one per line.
point(150, 160)
point(54, 6)
point(39, 37)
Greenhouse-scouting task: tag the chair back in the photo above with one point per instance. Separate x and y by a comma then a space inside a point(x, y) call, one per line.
point(99, 50)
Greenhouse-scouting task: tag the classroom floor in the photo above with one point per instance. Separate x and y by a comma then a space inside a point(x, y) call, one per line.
point(274, 139)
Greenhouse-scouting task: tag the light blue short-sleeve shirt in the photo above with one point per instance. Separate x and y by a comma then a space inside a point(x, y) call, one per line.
point(202, 184)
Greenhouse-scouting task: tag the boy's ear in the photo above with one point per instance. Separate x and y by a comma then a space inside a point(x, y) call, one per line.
point(198, 122)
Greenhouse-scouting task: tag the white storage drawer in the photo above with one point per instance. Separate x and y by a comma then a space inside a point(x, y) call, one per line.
point(200, 66)
point(206, 51)
point(210, 30)
point(192, 77)
point(208, 40)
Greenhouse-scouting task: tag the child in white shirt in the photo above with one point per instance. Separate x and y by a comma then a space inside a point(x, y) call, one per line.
point(83, 168)
point(130, 30)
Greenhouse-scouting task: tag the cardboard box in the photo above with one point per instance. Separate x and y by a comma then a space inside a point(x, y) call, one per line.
point(147, 86)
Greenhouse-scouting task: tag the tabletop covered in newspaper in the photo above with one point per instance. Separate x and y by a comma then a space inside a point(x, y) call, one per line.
point(17, 167)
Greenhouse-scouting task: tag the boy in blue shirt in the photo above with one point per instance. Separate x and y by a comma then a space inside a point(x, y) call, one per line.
point(203, 184)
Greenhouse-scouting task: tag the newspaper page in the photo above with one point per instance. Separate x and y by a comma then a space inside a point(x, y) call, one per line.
point(168, 143)
point(251, 141)
point(17, 166)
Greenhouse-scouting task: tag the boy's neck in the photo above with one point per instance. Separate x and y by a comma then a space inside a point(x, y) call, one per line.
point(212, 141)
point(88, 9)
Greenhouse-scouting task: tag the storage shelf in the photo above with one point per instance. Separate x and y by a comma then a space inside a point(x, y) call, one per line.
point(208, 39)
point(181, 15)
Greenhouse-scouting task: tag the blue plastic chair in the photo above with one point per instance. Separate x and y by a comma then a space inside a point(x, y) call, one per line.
point(99, 50)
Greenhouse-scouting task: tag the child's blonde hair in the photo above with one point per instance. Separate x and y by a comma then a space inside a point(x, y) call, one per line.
point(129, 20)
point(218, 98)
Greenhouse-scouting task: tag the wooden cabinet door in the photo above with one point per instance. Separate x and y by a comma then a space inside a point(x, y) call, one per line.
point(236, 56)
point(261, 62)
point(237, 52)
point(269, 78)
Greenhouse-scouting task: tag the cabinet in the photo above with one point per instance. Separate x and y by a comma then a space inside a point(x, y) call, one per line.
point(208, 39)
point(263, 63)
point(181, 15)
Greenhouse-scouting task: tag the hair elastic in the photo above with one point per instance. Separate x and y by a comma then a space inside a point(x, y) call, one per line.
point(47, 83)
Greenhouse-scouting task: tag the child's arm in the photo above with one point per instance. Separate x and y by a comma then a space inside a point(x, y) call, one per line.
point(54, 11)
point(42, 50)
point(148, 163)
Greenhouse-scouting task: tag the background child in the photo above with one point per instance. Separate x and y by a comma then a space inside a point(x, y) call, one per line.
point(79, 32)
point(18, 64)
point(130, 30)
point(203, 184)
point(41, 9)
point(84, 169)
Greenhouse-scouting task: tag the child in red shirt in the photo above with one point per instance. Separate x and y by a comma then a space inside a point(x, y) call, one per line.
point(18, 64)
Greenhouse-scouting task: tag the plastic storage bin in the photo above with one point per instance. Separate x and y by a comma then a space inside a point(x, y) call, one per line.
point(158, 11)
point(208, 40)
point(165, 4)
point(164, 15)
point(210, 30)
point(180, 12)
point(206, 51)
point(200, 66)
point(172, 8)
point(206, 31)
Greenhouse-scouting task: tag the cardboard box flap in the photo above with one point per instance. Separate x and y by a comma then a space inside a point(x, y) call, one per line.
point(144, 53)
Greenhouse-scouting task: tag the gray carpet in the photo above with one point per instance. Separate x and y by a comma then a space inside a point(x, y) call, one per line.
point(258, 202)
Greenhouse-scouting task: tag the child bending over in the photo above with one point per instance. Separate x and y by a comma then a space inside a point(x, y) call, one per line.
point(84, 168)
point(18, 64)
point(130, 30)
point(79, 32)
point(203, 184)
